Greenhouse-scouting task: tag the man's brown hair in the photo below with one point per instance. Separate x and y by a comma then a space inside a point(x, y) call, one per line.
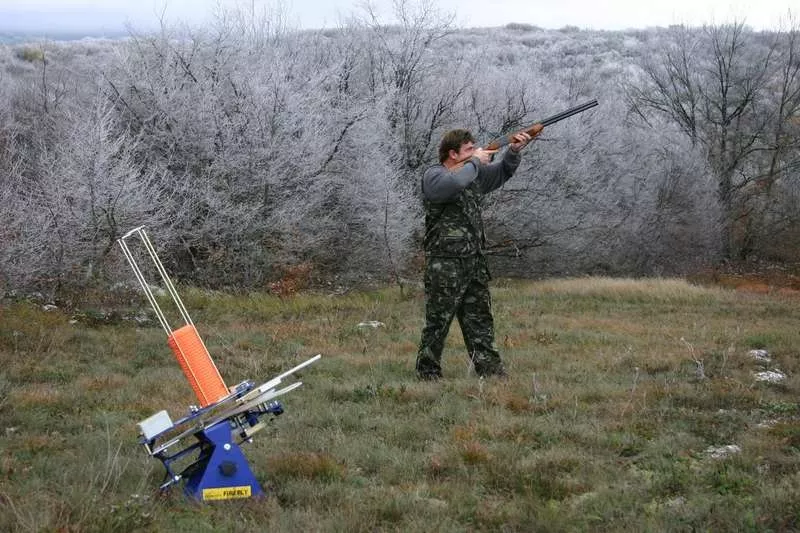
point(453, 140)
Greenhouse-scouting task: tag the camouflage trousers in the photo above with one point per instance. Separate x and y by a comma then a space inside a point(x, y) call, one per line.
point(458, 287)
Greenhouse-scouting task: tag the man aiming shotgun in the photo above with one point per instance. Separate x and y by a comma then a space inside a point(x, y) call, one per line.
point(456, 270)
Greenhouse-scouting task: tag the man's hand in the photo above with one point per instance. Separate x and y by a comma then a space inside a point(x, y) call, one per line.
point(485, 156)
point(522, 139)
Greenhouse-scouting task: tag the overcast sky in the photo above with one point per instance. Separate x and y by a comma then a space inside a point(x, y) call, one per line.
point(111, 15)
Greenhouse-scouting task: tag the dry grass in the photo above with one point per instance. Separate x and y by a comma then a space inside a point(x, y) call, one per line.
point(618, 388)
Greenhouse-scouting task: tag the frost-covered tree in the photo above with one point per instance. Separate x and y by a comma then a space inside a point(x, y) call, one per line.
point(733, 93)
point(250, 149)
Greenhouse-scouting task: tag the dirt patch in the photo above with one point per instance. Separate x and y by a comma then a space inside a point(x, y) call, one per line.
point(755, 278)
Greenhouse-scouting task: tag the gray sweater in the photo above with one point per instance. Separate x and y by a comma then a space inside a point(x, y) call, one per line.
point(440, 185)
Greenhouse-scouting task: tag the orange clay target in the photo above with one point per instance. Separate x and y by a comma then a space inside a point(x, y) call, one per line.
point(197, 365)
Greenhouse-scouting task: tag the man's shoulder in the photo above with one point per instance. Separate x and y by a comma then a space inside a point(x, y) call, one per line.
point(432, 173)
point(436, 168)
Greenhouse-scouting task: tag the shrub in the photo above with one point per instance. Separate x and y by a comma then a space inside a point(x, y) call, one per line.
point(30, 54)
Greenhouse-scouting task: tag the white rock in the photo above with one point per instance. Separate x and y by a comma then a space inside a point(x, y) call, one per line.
point(721, 452)
point(680, 501)
point(760, 355)
point(766, 424)
point(371, 324)
point(770, 376)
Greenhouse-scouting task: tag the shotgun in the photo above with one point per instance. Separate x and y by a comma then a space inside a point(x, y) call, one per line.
point(534, 129)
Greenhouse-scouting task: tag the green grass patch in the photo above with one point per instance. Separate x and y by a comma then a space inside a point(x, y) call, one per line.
point(618, 391)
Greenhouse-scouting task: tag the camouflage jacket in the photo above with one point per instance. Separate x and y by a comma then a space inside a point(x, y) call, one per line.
point(453, 202)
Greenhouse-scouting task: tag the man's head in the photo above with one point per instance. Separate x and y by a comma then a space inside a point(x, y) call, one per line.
point(454, 140)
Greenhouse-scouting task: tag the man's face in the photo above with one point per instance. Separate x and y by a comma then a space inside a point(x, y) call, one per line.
point(465, 152)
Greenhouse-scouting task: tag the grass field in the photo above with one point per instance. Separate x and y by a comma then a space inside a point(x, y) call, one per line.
point(621, 397)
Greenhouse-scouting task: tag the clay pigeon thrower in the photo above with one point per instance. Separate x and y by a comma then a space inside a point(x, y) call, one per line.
point(203, 448)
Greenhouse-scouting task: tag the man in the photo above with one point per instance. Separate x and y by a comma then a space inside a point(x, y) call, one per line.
point(456, 273)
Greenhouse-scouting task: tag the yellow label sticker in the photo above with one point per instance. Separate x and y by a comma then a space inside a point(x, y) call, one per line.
point(227, 493)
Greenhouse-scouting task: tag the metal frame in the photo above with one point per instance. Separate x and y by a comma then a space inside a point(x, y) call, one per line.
point(151, 251)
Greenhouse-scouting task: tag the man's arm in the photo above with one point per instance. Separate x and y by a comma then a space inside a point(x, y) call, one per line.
point(494, 175)
point(442, 185)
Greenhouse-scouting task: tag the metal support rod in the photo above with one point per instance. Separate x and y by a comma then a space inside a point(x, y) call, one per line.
point(170, 287)
point(141, 279)
point(164, 276)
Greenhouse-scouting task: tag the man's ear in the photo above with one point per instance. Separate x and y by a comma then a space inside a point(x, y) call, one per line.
point(453, 154)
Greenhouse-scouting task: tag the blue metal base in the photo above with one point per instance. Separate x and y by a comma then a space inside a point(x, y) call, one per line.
point(221, 472)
